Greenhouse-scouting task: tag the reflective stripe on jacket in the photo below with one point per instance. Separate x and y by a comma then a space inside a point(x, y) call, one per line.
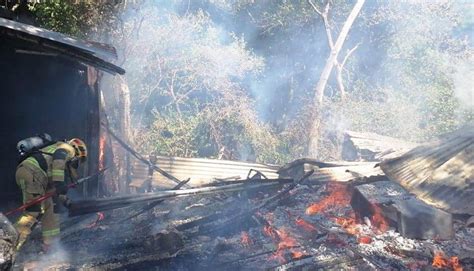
point(55, 157)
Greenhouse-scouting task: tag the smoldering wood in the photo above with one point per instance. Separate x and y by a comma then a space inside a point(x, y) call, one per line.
point(411, 217)
point(246, 214)
point(89, 206)
point(324, 229)
point(153, 204)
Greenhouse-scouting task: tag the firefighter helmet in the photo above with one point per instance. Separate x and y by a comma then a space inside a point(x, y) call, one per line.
point(80, 148)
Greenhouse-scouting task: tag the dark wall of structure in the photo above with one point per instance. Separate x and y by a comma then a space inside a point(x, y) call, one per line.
point(41, 93)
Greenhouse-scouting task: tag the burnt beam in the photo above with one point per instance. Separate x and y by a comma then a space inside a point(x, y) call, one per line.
point(410, 216)
point(90, 206)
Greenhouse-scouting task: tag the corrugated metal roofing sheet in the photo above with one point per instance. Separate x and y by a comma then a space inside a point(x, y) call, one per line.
point(337, 171)
point(54, 42)
point(200, 170)
point(373, 147)
point(440, 173)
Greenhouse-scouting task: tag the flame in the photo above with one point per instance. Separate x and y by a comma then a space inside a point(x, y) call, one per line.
point(339, 195)
point(270, 232)
point(297, 254)
point(101, 152)
point(364, 239)
point(378, 221)
point(245, 239)
point(305, 225)
point(348, 223)
point(285, 242)
point(440, 261)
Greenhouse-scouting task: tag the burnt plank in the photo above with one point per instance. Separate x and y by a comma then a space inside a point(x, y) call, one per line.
point(410, 216)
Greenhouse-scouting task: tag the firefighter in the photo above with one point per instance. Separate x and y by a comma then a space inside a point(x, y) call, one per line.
point(43, 172)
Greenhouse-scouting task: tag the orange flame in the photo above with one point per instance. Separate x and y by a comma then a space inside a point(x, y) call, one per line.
point(101, 152)
point(364, 240)
point(246, 240)
point(339, 195)
point(270, 232)
point(305, 225)
point(297, 254)
point(285, 241)
point(378, 221)
point(440, 261)
point(348, 223)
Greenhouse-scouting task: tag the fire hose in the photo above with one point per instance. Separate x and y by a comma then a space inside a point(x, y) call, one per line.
point(52, 193)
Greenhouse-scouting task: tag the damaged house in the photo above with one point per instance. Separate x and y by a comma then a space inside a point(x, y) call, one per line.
point(50, 84)
point(390, 205)
point(313, 215)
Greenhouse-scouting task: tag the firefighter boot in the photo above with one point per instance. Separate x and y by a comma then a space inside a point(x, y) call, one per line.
point(24, 226)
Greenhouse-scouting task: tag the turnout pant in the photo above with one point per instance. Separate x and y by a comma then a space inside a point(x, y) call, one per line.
point(34, 183)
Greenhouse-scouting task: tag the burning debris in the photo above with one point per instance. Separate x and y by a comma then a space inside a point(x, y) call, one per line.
point(277, 224)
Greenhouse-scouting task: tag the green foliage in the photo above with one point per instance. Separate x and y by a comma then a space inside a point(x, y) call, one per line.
point(62, 16)
point(190, 78)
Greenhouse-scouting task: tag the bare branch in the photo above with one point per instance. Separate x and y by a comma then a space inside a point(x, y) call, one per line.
point(349, 53)
point(315, 7)
point(327, 26)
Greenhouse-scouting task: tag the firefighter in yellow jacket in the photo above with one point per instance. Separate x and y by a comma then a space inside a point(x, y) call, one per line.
point(42, 172)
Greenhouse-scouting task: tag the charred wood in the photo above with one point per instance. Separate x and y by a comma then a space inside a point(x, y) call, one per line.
point(247, 214)
point(153, 204)
point(89, 206)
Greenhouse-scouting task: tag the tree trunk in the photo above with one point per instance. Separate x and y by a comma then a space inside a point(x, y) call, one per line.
point(319, 91)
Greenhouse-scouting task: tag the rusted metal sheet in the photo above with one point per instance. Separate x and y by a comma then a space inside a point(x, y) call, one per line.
point(43, 41)
point(372, 147)
point(200, 170)
point(441, 173)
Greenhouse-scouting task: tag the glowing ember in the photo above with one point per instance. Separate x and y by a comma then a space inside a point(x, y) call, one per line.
point(338, 196)
point(270, 232)
point(297, 254)
point(440, 261)
point(246, 240)
point(364, 240)
point(348, 224)
point(305, 225)
point(378, 221)
point(285, 242)
point(101, 152)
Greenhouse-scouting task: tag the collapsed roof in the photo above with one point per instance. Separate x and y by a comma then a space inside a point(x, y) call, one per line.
point(440, 173)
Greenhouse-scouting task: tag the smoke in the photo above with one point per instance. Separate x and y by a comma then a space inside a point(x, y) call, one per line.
point(463, 84)
point(398, 73)
point(56, 258)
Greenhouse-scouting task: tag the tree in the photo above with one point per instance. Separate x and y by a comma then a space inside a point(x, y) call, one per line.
point(314, 128)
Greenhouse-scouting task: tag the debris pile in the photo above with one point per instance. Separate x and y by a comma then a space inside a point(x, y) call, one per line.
point(321, 218)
